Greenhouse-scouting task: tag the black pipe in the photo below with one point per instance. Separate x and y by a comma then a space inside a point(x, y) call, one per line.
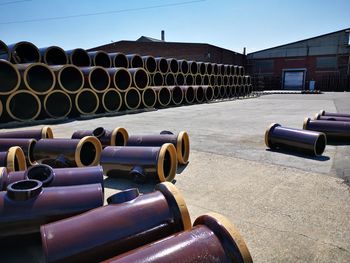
point(24, 52)
point(177, 95)
point(163, 95)
point(338, 114)
point(173, 65)
point(23, 105)
point(149, 98)
point(318, 116)
point(120, 78)
point(134, 61)
point(183, 66)
point(150, 64)
point(53, 55)
point(4, 51)
point(100, 58)
point(79, 57)
point(10, 79)
point(69, 78)
point(157, 79)
point(57, 104)
point(180, 79)
point(131, 99)
point(162, 65)
point(97, 78)
point(111, 100)
point(189, 92)
point(140, 78)
point(189, 80)
point(86, 102)
point(119, 60)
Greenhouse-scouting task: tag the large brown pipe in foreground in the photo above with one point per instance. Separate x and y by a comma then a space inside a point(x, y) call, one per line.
point(163, 95)
point(131, 99)
point(318, 116)
point(13, 160)
point(26, 205)
point(189, 92)
point(24, 52)
point(162, 65)
point(10, 79)
point(86, 102)
point(177, 95)
point(140, 78)
point(183, 66)
point(100, 58)
point(212, 239)
point(150, 64)
point(307, 142)
point(135, 61)
point(115, 137)
point(60, 153)
point(334, 130)
point(23, 105)
point(149, 98)
point(53, 55)
point(181, 142)
point(120, 78)
point(4, 51)
point(96, 78)
point(156, 79)
point(57, 104)
point(79, 57)
point(140, 163)
point(119, 60)
point(37, 134)
point(69, 78)
point(111, 100)
point(130, 220)
point(338, 114)
point(27, 145)
point(199, 94)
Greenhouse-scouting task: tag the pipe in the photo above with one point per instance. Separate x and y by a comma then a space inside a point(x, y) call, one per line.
point(27, 145)
point(120, 78)
point(334, 130)
point(96, 78)
point(180, 79)
point(318, 116)
point(22, 105)
point(24, 52)
point(79, 57)
point(324, 113)
point(177, 95)
point(189, 92)
point(198, 79)
point(37, 134)
point(86, 102)
point(181, 142)
point(130, 220)
point(213, 238)
point(13, 159)
point(222, 92)
point(4, 51)
point(205, 80)
point(212, 80)
point(219, 80)
point(221, 69)
point(100, 58)
point(115, 137)
point(215, 68)
point(134, 61)
point(150, 64)
point(241, 70)
point(235, 70)
point(209, 68)
point(201, 68)
point(140, 163)
point(231, 91)
point(226, 91)
point(157, 79)
point(26, 205)
point(183, 66)
point(208, 93)
point(170, 79)
point(51, 177)
point(162, 65)
point(173, 65)
point(225, 80)
point(193, 67)
point(199, 94)
point(227, 70)
point(307, 142)
point(53, 55)
point(112, 100)
point(119, 60)
point(140, 78)
point(132, 99)
point(57, 104)
point(163, 95)
point(149, 98)
point(10, 79)
point(37, 77)
point(189, 80)
point(216, 92)
point(61, 153)
point(69, 78)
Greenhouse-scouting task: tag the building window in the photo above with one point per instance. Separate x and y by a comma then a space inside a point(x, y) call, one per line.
point(263, 65)
point(326, 62)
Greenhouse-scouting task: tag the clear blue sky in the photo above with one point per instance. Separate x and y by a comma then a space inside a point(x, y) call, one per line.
point(229, 24)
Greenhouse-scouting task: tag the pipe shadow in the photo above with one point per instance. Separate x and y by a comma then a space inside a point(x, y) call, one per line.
point(124, 184)
point(181, 168)
point(338, 143)
point(321, 158)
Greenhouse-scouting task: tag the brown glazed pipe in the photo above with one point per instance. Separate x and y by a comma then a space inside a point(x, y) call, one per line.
point(163, 95)
point(181, 141)
point(57, 104)
point(140, 163)
point(4, 51)
point(53, 55)
point(26, 205)
point(111, 100)
point(69, 78)
point(13, 160)
point(134, 61)
point(119, 60)
point(50, 177)
point(24, 52)
point(140, 78)
point(96, 78)
point(115, 137)
point(162, 65)
point(213, 238)
point(338, 114)
point(149, 98)
point(79, 57)
point(37, 134)
point(334, 130)
point(61, 153)
point(10, 79)
point(129, 221)
point(131, 99)
point(307, 142)
point(100, 58)
point(120, 78)
point(318, 116)
point(27, 145)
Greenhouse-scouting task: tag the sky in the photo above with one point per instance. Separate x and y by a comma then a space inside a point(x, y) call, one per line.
point(229, 24)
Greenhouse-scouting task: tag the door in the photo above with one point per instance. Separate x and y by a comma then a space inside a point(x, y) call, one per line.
point(293, 79)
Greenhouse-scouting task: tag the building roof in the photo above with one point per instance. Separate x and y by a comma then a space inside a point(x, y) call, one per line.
point(148, 39)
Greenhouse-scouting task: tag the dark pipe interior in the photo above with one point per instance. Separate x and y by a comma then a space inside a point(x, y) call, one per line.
point(24, 106)
point(98, 132)
point(206, 80)
point(189, 79)
point(225, 80)
point(55, 56)
point(200, 94)
point(31, 151)
point(215, 69)
point(163, 65)
point(177, 95)
point(102, 59)
point(320, 145)
point(71, 79)
point(137, 62)
point(222, 69)
point(239, 80)
point(80, 58)
point(193, 67)
point(40, 78)
point(149, 97)
point(58, 104)
point(24, 185)
point(219, 80)
point(141, 79)
point(120, 60)
point(8, 77)
point(151, 64)
point(132, 98)
point(122, 79)
point(167, 164)
point(216, 91)
point(164, 96)
point(202, 68)
point(158, 79)
point(209, 93)
point(4, 52)
point(174, 66)
point(190, 94)
point(183, 145)
point(170, 79)
point(87, 153)
point(209, 68)
point(184, 67)
point(87, 102)
point(198, 79)
point(40, 172)
point(99, 79)
point(180, 79)
point(212, 79)
point(25, 53)
point(16, 163)
point(119, 139)
point(112, 100)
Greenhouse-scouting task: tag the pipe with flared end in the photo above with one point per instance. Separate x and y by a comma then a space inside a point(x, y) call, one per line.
point(131, 99)
point(177, 95)
point(69, 78)
point(173, 65)
point(27, 145)
point(334, 130)
point(193, 67)
point(115, 137)
point(24, 52)
point(4, 51)
point(13, 159)
point(134, 61)
point(189, 93)
point(306, 142)
point(37, 134)
point(53, 55)
point(79, 57)
point(23, 105)
point(170, 79)
point(96, 78)
point(57, 104)
point(149, 98)
point(208, 93)
point(189, 80)
point(199, 94)
point(111, 100)
point(86, 102)
point(10, 78)
point(180, 79)
point(201, 68)
point(120, 78)
point(140, 78)
point(337, 114)
point(26, 205)
point(150, 64)
point(213, 238)
point(61, 153)
point(162, 65)
point(140, 163)
point(183, 66)
point(100, 58)
point(163, 96)
point(156, 79)
point(119, 60)
point(318, 116)
point(181, 142)
point(130, 220)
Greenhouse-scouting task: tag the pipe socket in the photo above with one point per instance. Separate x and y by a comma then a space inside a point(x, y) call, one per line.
point(13, 159)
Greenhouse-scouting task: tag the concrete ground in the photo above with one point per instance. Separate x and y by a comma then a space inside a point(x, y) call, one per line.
point(289, 208)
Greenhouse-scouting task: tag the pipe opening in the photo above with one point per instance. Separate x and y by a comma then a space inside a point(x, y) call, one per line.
point(199, 94)
point(99, 79)
point(151, 64)
point(88, 153)
point(98, 132)
point(180, 79)
point(119, 137)
point(25, 185)
point(111, 100)
point(149, 98)
point(132, 99)
point(320, 144)
point(211, 80)
point(163, 65)
point(219, 80)
point(122, 79)
point(71, 79)
point(167, 163)
point(189, 79)
point(198, 79)
point(9, 78)
point(42, 173)
point(158, 79)
point(183, 66)
point(136, 62)
point(205, 80)
point(25, 52)
point(4, 51)
point(80, 58)
point(120, 61)
point(55, 56)
point(193, 67)
point(124, 196)
point(57, 104)
point(23, 105)
point(173, 65)
point(209, 68)
point(164, 96)
point(102, 59)
point(170, 79)
point(86, 102)
point(202, 68)
point(209, 93)
point(177, 95)
point(141, 79)
point(39, 78)
point(31, 152)
point(216, 91)
point(189, 95)
point(215, 69)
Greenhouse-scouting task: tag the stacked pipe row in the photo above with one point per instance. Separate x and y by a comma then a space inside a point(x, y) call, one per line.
point(53, 83)
point(61, 197)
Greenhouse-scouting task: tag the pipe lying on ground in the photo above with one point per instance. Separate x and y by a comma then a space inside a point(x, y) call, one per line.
point(57, 104)
point(37, 134)
point(51, 177)
point(120, 78)
point(189, 80)
point(61, 153)
point(199, 94)
point(150, 64)
point(338, 114)
point(162, 65)
point(163, 96)
point(53, 55)
point(130, 220)
point(334, 130)
point(100, 58)
point(132, 99)
point(208, 93)
point(23, 105)
point(149, 98)
point(26, 205)
point(134, 61)
point(213, 238)
point(24, 52)
point(193, 67)
point(307, 142)
point(180, 79)
point(189, 92)
point(27, 145)
point(119, 60)
point(140, 164)
point(177, 95)
point(10, 79)
point(221, 68)
point(225, 80)
point(79, 57)
point(86, 102)
point(13, 159)
point(173, 65)
point(140, 78)
point(115, 137)
point(111, 100)
point(318, 116)
point(69, 78)
point(157, 79)
point(241, 70)
point(4, 51)
point(96, 78)
point(170, 79)
point(181, 142)
point(183, 66)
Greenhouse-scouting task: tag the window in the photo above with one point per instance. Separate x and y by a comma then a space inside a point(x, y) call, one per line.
point(326, 62)
point(263, 65)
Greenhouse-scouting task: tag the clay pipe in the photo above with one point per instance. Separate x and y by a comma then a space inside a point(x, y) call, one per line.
point(27, 145)
point(12, 160)
point(37, 134)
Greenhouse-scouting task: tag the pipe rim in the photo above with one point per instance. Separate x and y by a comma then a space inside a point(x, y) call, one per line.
point(104, 103)
point(168, 189)
point(93, 69)
point(267, 134)
point(134, 78)
point(126, 102)
point(183, 147)
point(57, 48)
point(322, 112)
point(77, 104)
point(60, 82)
point(98, 149)
point(222, 227)
point(172, 95)
point(8, 101)
point(46, 132)
point(98, 53)
point(52, 115)
point(320, 144)
point(114, 135)
point(26, 83)
point(317, 116)
point(306, 122)
point(143, 98)
point(15, 156)
point(15, 46)
point(160, 101)
point(170, 149)
point(18, 77)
